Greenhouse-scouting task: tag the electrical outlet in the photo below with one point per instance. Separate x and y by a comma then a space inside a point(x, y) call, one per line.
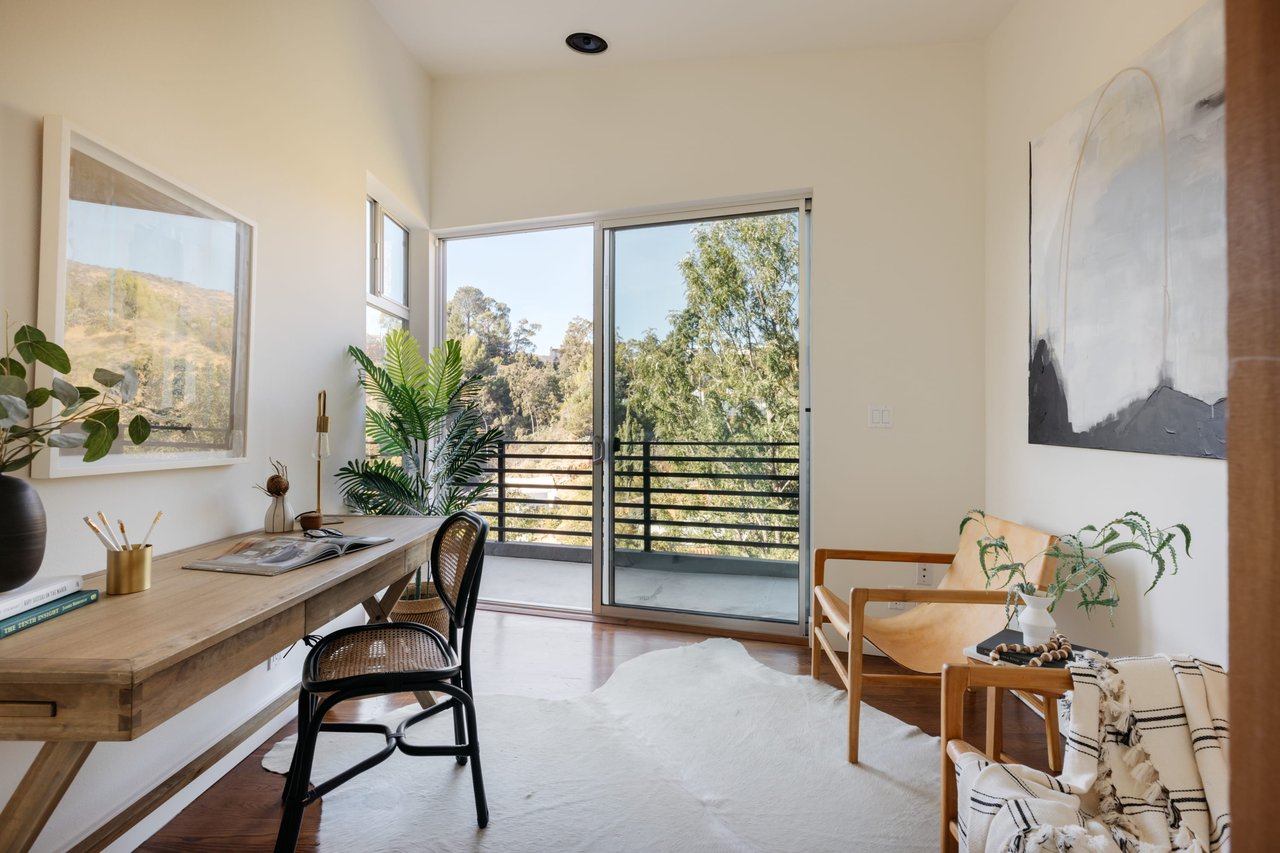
point(276, 659)
point(898, 605)
point(922, 575)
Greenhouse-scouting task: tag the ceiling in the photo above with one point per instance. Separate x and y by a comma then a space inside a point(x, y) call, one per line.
point(461, 37)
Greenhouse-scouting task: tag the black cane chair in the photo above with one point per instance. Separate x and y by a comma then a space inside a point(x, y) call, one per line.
point(396, 657)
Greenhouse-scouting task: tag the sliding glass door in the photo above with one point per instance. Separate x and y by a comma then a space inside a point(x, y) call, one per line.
point(701, 480)
point(656, 430)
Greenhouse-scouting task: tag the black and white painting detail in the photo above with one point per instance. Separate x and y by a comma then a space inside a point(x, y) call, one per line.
point(1129, 257)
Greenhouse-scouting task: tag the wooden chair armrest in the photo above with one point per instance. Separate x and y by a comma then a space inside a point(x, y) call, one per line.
point(1030, 678)
point(939, 596)
point(821, 555)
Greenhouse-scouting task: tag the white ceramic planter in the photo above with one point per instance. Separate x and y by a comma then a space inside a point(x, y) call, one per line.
point(279, 518)
point(1035, 619)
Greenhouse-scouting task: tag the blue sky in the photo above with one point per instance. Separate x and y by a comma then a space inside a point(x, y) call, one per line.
point(185, 248)
point(546, 276)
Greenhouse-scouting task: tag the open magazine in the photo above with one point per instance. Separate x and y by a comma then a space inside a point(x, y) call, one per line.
point(276, 555)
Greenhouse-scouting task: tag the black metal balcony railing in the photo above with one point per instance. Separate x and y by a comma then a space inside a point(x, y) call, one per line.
point(718, 498)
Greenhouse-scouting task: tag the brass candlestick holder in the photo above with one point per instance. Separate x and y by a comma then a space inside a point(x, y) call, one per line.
point(319, 452)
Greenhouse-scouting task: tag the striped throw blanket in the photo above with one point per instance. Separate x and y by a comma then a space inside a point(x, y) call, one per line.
point(1145, 768)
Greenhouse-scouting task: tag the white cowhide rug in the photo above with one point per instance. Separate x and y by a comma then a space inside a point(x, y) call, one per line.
point(698, 748)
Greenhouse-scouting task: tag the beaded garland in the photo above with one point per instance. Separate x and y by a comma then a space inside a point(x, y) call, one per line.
point(1058, 648)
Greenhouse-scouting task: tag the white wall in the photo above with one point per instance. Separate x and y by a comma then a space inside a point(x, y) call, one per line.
point(278, 110)
point(1043, 60)
point(890, 141)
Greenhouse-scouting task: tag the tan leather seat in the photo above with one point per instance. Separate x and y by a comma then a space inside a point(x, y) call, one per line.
point(960, 612)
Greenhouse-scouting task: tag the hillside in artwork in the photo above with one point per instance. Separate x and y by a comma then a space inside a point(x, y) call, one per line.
point(174, 342)
point(1167, 421)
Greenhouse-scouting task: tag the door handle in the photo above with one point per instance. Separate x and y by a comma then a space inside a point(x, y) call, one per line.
point(597, 450)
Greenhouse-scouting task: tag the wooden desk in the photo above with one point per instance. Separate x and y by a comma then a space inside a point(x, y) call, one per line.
point(120, 667)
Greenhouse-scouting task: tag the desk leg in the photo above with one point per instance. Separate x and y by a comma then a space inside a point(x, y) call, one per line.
point(40, 791)
point(379, 610)
point(995, 723)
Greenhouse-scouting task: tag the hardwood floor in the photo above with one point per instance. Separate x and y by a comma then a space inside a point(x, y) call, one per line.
point(550, 658)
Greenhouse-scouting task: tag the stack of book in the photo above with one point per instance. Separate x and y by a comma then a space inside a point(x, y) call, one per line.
point(41, 600)
point(1013, 637)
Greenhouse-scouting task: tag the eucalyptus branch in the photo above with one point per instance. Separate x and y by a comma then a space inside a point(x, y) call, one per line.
point(22, 437)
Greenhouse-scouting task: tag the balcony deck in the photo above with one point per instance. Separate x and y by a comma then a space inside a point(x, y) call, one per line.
point(566, 585)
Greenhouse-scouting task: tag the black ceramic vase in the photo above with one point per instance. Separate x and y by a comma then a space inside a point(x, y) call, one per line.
point(22, 532)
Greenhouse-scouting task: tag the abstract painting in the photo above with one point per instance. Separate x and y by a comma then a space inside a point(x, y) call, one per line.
point(1128, 257)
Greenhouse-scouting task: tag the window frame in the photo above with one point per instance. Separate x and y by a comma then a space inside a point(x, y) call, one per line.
point(375, 271)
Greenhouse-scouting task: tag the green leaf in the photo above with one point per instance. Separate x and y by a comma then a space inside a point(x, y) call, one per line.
point(97, 443)
point(25, 339)
point(21, 462)
point(107, 378)
point(52, 355)
point(1186, 535)
point(13, 367)
point(13, 386)
point(139, 429)
point(109, 418)
point(1123, 546)
point(65, 393)
point(37, 397)
point(87, 393)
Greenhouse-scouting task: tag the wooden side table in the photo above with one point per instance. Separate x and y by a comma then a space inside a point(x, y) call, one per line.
point(1044, 702)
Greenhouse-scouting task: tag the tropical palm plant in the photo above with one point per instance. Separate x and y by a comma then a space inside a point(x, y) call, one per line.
point(432, 441)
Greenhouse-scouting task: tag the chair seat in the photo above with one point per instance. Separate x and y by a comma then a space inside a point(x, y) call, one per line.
point(388, 654)
point(922, 638)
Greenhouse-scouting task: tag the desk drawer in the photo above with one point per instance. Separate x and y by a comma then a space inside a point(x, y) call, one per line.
point(158, 697)
point(89, 710)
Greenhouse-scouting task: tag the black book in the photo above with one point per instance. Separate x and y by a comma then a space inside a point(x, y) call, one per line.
point(1009, 636)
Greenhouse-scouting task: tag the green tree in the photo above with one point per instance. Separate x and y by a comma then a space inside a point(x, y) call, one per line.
point(470, 312)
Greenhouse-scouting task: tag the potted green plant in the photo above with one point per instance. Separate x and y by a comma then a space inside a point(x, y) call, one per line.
point(1078, 566)
point(97, 413)
point(432, 443)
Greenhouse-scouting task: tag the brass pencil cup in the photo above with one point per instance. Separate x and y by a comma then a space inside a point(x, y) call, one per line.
point(129, 570)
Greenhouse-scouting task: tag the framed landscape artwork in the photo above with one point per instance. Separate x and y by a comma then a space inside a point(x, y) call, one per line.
point(1128, 257)
point(148, 279)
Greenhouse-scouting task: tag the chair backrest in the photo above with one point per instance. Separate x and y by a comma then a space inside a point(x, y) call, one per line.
point(1024, 543)
point(457, 559)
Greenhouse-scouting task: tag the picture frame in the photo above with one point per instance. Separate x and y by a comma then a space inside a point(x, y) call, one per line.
point(147, 277)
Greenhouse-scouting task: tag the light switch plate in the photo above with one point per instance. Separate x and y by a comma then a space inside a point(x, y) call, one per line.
point(880, 417)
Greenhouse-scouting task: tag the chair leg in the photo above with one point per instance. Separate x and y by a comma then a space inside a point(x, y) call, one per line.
point(855, 697)
point(306, 706)
point(815, 651)
point(477, 780)
point(459, 726)
point(299, 779)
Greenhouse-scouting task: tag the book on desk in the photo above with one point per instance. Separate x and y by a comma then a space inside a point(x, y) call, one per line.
point(275, 555)
point(41, 600)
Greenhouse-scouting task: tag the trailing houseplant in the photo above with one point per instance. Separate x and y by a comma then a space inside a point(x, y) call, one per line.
point(432, 443)
point(95, 412)
point(1079, 566)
